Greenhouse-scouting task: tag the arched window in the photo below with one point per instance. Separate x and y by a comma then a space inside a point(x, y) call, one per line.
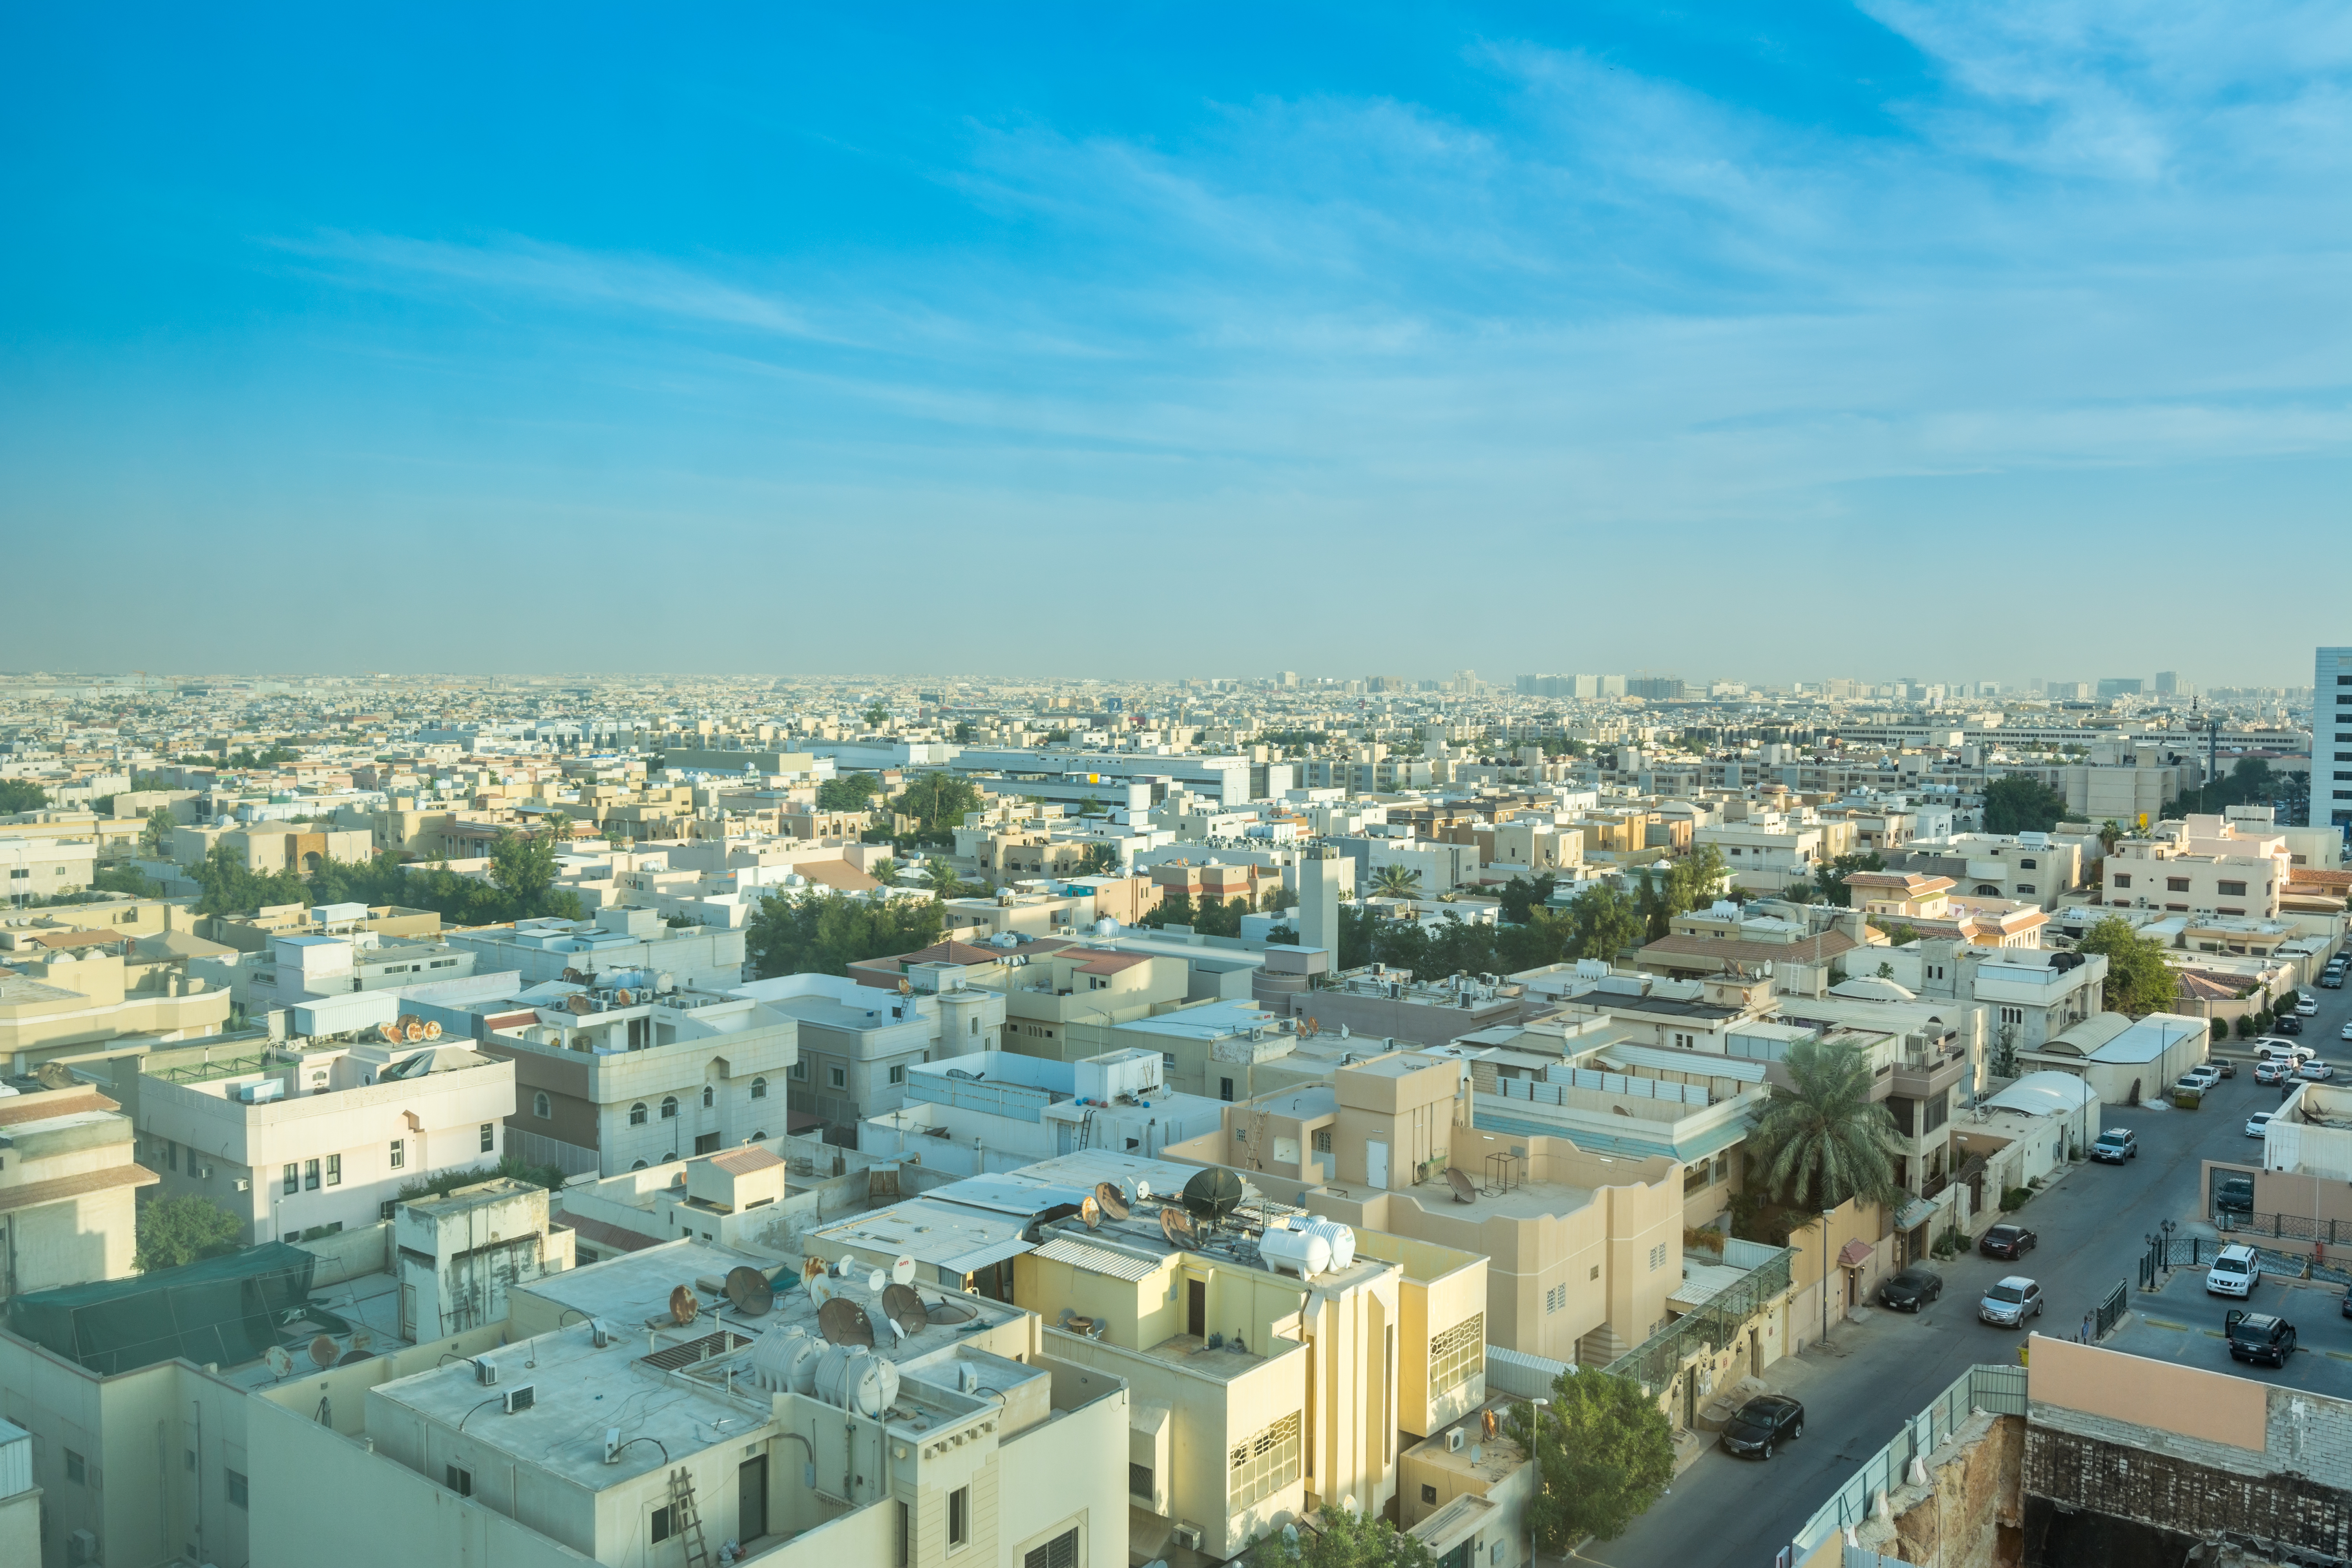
point(758, 1088)
point(2025, 865)
point(669, 1107)
point(637, 1114)
point(638, 1167)
point(541, 1106)
point(706, 1097)
point(1987, 891)
point(760, 1136)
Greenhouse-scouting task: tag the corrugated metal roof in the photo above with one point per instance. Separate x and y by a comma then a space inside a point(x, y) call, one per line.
point(1097, 1259)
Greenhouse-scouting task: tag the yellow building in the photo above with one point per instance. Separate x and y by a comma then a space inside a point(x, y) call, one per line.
point(75, 1001)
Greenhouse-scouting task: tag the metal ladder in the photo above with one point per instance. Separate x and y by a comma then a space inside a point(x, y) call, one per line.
point(688, 1519)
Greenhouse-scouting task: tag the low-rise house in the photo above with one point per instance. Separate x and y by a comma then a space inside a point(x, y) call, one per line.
point(69, 1182)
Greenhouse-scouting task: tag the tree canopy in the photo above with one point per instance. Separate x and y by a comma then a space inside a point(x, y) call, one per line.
point(1098, 861)
point(2018, 804)
point(1336, 1538)
point(1696, 877)
point(825, 933)
point(1829, 882)
point(1822, 1140)
point(2139, 980)
point(854, 791)
point(21, 794)
point(938, 801)
point(187, 1229)
point(1603, 1453)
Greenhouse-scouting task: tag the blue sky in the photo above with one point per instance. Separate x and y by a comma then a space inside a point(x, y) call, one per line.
point(1969, 341)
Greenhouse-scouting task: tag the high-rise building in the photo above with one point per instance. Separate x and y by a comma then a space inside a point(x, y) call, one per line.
point(2168, 683)
point(2331, 738)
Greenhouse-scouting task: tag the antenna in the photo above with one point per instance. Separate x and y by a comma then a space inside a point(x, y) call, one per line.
point(750, 1292)
point(1091, 1212)
point(1110, 1200)
point(874, 1281)
point(1176, 1227)
point(324, 1352)
point(281, 1363)
point(684, 1305)
point(842, 1321)
point(904, 1309)
point(902, 1272)
point(1464, 1193)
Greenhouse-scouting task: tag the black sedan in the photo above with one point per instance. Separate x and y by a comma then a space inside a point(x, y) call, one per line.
point(2007, 1241)
point(1764, 1421)
point(1911, 1290)
point(2290, 1025)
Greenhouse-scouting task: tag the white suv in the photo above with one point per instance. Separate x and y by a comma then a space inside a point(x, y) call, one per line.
point(2234, 1273)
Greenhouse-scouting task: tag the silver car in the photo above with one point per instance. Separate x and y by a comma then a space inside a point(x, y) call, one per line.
point(2009, 1303)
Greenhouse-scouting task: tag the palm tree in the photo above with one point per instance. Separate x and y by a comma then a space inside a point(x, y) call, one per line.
point(1824, 1135)
point(1396, 882)
point(941, 877)
point(884, 871)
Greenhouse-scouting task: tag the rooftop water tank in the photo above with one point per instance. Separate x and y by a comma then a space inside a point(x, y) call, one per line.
point(1340, 1238)
point(787, 1361)
point(857, 1380)
point(1302, 1252)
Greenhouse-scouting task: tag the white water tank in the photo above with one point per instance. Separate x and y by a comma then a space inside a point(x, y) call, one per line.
point(1339, 1237)
point(857, 1380)
point(787, 1361)
point(1302, 1252)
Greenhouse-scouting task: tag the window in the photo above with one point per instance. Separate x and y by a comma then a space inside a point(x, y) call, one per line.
point(1224, 1088)
point(489, 1136)
point(1321, 1138)
point(706, 1143)
point(2233, 890)
point(334, 1170)
point(235, 1485)
point(1265, 1463)
point(1428, 1494)
point(310, 1175)
point(706, 1097)
point(1138, 1482)
point(800, 1072)
point(2121, 879)
point(458, 1481)
point(2028, 864)
point(959, 1516)
point(758, 1088)
point(76, 1471)
point(171, 1152)
point(1658, 1257)
point(399, 1153)
point(541, 1106)
point(2025, 886)
point(669, 1107)
point(837, 1077)
point(1556, 1297)
point(1932, 1113)
point(1062, 1552)
point(637, 1114)
point(293, 1180)
point(2013, 1015)
point(1458, 1354)
point(898, 1072)
point(1594, 1275)
point(664, 1525)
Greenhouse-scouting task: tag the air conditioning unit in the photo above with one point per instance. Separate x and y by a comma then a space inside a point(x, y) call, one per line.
point(204, 1173)
point(82, 1546)
point(1188, 1536)
point(522, 1397)
point(1454, 1440)
point(243, 1185)
point(486, 1371)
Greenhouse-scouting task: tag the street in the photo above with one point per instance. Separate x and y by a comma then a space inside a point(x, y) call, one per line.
point(1873, 1376)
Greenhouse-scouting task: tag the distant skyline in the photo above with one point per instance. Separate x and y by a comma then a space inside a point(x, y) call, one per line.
point(1172, 340)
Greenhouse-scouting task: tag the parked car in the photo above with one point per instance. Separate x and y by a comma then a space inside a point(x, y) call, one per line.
point(2304, 1007)
point(2225, 1066)
point(2007, 1240)
point(2347, 1035)
point(2276, 1070)
point(2116, 1145)
point(1911, 1290)
point(2332, 980)
point(2315, 1070)
point(1763, 1421)
point(2290, 1025)
point(2200, 1077)
point(2271, 1048)
point(2008, 1304)
point(2233, 1194)
point(2257, 1122)
point(2259, 1336)
point(2235, 1272)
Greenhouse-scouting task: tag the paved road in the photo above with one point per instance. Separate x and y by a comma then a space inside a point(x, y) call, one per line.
point(1872, 1376)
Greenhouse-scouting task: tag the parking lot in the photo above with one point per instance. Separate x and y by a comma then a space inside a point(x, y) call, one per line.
point(2182, 1324)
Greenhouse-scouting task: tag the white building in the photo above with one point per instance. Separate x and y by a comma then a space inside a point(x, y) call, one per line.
point(2331, 739)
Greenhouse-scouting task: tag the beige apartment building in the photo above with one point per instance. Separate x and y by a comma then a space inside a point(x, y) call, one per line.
point(68, 1184)
point(2202, 866)
point(299, 1139)
point(76, 1001)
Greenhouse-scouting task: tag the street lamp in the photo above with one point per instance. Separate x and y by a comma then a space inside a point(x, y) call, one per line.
point(1825, 1274)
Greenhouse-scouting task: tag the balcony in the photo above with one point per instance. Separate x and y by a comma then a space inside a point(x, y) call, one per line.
point(1924, 1077)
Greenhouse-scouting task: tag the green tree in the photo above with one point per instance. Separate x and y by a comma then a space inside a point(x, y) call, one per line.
point(1221, 917)
point(1696, 877)
point(523, 868)
point(2019, 804)
point(2139, 980)
point(825, 933)
point(1395, 882)
point(963, 732)
point(1833, 875)
point(855, 792)
point(938, 801)
point(1098, 861)
point(229, 887)
point(157, 834)
point(1335, 1538)
point(21, 794)
point(1606, 922)
point(1822, 1140)
point(1089, 807)
point(877, 713)
point(2111, 833)
point(940, 877)
point(1174, 909)
point(884, 871)
point(126, 880)
point(1522, 894)
point(1603, 1453)
point(176, 1231)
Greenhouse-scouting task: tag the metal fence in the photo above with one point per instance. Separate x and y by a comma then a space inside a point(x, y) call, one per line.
point(2164, 1254)
point(2237, 1223)
point(538, 1149)
point(1711, 1326)
point(1997, 1390)
point(2110, 1312)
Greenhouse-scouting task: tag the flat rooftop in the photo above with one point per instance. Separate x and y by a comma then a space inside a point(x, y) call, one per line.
point(1526, 1200)
point(2181, 1323)
point(369, 1304)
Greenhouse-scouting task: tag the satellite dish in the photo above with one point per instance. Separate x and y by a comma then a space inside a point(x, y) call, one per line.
point(1176, 1227)
point(945, 1312)
point(1213, 1193)
point(281, 1363)
point(750, 1292)
point(685, 1306)
point(903, 1307)
point(1142, 1191)
point(1110, 1200)
point(352, 1357)
point(842, 1321)
point(874, 1281)
point(902, 1272)
point(1464, 1193)
point(324, 1352)
point(1090, 1212)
